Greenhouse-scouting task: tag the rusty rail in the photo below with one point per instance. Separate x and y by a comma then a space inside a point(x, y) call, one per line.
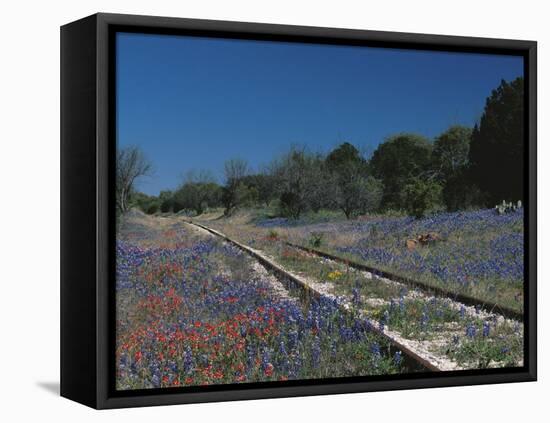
point(422, 363)
point(436, 291)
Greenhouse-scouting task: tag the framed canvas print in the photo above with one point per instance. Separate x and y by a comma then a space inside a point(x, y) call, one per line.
point(255, 211)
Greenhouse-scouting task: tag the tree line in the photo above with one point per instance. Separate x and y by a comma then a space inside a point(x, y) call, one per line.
point(461, 168)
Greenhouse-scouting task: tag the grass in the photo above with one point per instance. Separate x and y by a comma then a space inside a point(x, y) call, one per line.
point(344, 279)
point(418, 318)
point(480, 253)
point(192, 311)
point(502, 347)
point(413, 316)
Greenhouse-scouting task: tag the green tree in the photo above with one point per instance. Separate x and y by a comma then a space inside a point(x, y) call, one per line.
point(262, 187)
point(322, 190)
point(198, 192)
point(197, 196)
point(356, 192)
point(421, 196)
point(166, 199)
point(397, 161)
point(450, 152)
point(450, 164)
point(498, 144)
point(342, 156)
point(147, 203)
point(297, 181)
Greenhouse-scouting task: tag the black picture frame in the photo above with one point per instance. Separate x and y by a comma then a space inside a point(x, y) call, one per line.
point(87, 211)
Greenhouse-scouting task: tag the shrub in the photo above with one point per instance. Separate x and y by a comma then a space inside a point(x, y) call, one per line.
point(167, 205)
point(273, 234)
point(316, 239)
point(421, 197)
point(152, 209)
point(291, 204)
point(236, 196)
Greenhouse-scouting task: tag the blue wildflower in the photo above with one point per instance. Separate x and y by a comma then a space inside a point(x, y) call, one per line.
point(397, 358)
point(486, 329)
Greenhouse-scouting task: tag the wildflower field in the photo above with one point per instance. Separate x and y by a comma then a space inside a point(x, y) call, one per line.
point(193, 310)
point(479, 253)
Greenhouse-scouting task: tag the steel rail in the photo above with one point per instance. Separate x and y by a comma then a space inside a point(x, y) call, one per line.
point(489, 307)
point(422, 363)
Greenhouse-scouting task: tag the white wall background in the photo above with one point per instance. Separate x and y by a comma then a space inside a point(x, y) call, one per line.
point(29, 228)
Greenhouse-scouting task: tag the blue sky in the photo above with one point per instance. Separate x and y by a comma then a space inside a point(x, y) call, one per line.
point(193, 102)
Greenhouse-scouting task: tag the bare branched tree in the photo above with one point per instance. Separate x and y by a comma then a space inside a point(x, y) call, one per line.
point(131, 164)
point(235, 192)
point(201, 176)
point(235, 170)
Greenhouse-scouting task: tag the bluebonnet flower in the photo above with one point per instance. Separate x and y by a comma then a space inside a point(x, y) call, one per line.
point(250, 356)
point(293, 339)
point(155, 380)
point(333, 349)
point(401, 304)
point(356, 298)
point(424, 321)
point(266, 359)
point(397, 358)
point(188, 360)
point(375, 348)
point(486, 329)
point(316, 353)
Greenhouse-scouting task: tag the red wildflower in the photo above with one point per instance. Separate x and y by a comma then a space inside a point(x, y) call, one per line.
point(269, 369)
point(240, 346)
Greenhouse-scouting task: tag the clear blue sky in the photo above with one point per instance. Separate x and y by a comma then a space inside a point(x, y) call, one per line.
point(192, 103)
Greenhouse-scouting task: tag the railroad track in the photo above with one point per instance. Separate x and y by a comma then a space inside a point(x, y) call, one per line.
point(413, 359)
point(432, 290)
